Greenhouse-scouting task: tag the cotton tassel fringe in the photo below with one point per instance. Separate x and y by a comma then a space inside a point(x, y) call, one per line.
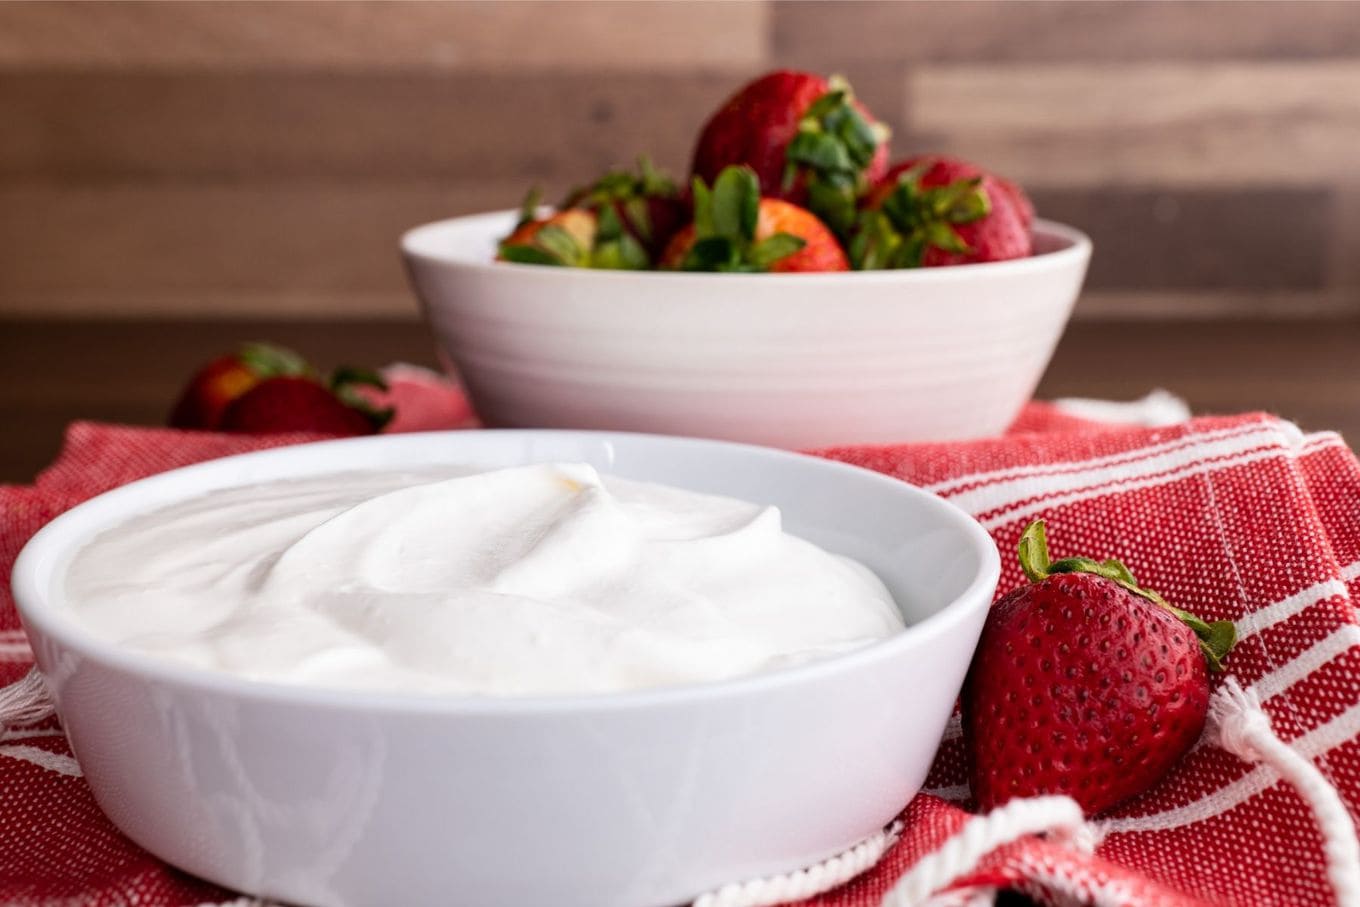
point(25, 701)
point(1058, 816)
point(797, 886)
point(1241, 726)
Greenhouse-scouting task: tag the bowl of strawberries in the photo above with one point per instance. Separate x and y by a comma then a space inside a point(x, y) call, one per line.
point(801, 290)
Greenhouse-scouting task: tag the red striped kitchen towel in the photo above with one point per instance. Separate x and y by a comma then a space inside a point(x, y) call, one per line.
point(1242, 518)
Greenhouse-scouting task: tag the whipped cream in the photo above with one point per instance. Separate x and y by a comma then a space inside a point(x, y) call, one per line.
point(544, 579)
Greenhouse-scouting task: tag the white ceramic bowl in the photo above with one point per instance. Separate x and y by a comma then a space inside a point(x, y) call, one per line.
point(327, 797)
point(790, 360)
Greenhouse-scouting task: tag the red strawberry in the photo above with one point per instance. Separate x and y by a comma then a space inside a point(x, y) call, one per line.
point(1021, 201)
point(213, 387)
point(934, 210)
point(574, 237)
point(735, 229)
point(647, 204)
point(562, 238)
point(807, 139)
point(1084, 683)
point(295, 403)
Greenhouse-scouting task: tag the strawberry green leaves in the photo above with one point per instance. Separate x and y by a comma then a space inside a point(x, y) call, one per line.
point(634, 197)
point(731, 208)
point(766, 252)
point(911, 219)
point(546, 241)
point(343, 382)
point(577, 238)
point(1215, 639)
point(528, 209)
point(833, 147)
point(725, 223)
point(616, 249)
point(268, 361)
point(528, 255)
point(551, 245)
point(624, 185)
point(610, 224)
point(561, 246)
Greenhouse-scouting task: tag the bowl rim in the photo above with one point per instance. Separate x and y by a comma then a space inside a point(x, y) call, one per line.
point(32, 578)
point(1076, 249)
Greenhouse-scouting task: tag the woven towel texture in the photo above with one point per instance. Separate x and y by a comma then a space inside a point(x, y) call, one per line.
point(1242, 518)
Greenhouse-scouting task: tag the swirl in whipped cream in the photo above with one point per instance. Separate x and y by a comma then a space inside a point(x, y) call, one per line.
point(533, 580)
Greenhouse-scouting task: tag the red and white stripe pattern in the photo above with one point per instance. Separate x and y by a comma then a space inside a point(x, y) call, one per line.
point(1223, 516)
point(14, 647)
point(1242, 518)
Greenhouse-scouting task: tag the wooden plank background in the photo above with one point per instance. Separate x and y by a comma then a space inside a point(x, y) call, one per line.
point(210, 160)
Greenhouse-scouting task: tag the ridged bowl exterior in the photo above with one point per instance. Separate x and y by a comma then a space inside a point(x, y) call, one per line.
point(787, 360)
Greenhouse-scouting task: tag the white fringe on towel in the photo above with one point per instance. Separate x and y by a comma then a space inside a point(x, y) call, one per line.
point(979, 836)
point(1239, 725)
point(25, 701)
point(1060, 816)
point(804, 883)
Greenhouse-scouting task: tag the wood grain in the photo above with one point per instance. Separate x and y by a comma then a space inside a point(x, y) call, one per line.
point(138, 249)
point(479, 36)
point(211, 159)
point(52, 372)
point(1173, 239)
point(1243, 305)
point(1344, 243)
point(257, 125)
point(297, 247)
point(1221, 124)
point(832, 34)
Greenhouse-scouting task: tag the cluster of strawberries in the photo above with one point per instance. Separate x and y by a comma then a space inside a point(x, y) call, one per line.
point(790, 174)
point(262, 388)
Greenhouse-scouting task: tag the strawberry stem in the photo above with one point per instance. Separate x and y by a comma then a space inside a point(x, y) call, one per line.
point(1215, 639)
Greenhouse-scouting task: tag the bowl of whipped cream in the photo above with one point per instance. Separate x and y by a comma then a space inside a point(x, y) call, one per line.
point(505, 667)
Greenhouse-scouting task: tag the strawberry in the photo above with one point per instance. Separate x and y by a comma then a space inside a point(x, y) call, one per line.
point(1022, 203)
point(1084, 683)
point(807, 139)
point(301, 403)
point(647, 204)
point(217, 384)
point(573, 237)
point(735, 229)
point(934, 210)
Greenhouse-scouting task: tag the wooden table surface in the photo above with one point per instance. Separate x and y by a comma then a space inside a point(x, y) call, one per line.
point(52, 372)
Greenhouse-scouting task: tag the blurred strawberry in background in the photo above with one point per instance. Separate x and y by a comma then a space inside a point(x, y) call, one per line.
point(933, 210)
point(735, 229)
point(266, 388)
point(807, 139)
point(209, 392)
